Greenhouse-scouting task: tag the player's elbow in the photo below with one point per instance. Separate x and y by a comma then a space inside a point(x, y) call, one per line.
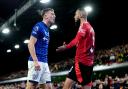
point(29, 45)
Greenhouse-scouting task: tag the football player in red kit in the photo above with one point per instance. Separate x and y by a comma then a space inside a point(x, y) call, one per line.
point(84, 41)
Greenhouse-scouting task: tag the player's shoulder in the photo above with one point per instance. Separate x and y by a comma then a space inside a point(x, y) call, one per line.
point(41, 24)
point(36, 27)
point(38, 23)
point(86, 26)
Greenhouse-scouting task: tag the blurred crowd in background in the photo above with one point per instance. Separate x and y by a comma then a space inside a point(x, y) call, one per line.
point(118, 54)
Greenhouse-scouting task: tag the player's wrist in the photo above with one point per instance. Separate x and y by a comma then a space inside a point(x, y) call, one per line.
point(35, 61)
point(67, 46)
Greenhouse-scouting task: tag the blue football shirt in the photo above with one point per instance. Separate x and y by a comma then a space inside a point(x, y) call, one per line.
point(41, 32)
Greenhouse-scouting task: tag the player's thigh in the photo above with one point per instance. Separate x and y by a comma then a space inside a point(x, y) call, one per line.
point(31, 85)
point(86, 87)
point(68, 83)
point(42, 86)
point(46, 75)
point(45, 86)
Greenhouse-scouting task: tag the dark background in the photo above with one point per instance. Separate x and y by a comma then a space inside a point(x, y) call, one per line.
point(108, 18)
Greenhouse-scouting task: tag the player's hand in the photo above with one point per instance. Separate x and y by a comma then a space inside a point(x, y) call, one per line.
point(37, 66)
point(61, 48)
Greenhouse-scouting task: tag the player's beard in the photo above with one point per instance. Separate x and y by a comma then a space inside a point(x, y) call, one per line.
point(76, 19)
point(52, 22)
point(77, 22)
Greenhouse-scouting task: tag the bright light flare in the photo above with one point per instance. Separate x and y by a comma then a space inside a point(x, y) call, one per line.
point(88, 9)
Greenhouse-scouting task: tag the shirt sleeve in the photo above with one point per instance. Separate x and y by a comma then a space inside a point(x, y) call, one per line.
point(80, 34)
point(74, 41)
point(35, 31)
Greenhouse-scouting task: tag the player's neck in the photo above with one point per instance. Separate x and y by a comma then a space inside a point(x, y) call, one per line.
point(46, 22)
point(82, 20)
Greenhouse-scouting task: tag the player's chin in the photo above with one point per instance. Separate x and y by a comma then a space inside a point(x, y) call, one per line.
point(53, 21)
point(76, 20)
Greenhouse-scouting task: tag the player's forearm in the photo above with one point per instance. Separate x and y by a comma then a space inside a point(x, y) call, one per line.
point(31, 48)
point(71, 44)
point(74, 41)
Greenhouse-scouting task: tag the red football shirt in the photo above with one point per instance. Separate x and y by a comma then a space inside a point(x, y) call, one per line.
point(85, 43)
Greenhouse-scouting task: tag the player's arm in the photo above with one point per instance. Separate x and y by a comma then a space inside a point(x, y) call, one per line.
point(80, 34)
point(71, 44)
point(74, 41)
point(31, 47)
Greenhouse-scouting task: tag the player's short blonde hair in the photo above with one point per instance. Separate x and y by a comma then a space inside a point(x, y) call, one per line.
point(44, 11)
point(82, 12)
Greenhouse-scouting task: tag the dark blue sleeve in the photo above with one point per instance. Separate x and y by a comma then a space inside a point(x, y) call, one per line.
point(35, 31)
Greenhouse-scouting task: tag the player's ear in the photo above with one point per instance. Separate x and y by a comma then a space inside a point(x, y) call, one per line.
point(80, 14)
point(45, 15)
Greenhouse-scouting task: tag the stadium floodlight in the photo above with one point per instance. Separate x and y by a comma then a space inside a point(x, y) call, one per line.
point(26, 41)
point(53, 27)
point(9, 50)
point(17, 46)
point(44, 1)
point(88, 9)
point(5, 30)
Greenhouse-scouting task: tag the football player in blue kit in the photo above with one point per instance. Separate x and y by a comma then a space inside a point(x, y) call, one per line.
point(38, 69)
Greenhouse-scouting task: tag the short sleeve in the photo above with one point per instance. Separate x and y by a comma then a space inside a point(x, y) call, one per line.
point(35, 31)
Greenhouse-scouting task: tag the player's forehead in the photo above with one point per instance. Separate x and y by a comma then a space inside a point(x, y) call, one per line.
point(77, 11)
